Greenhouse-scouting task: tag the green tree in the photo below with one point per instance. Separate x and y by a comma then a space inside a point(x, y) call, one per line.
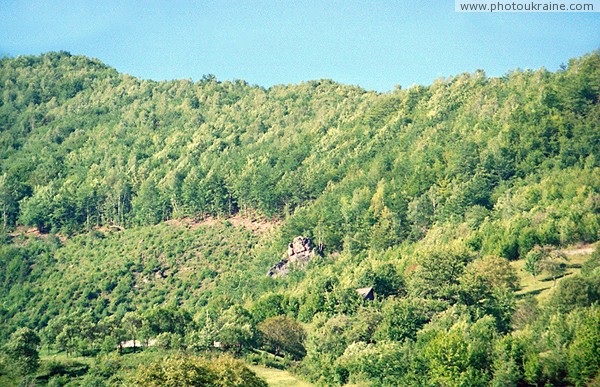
point(133, 323)
point(236, 329)
point(230, 372)
point(11, 191)
point(161, 320)
point(382, 363)
point(204, 338)
point(545, 259)
point(175, 372)
point(505, 367)
point(68, 338)
point(149, 206)
point(268, 305)
point(532, 261)
point(37, 209)
point(584, 351)
point(439, 271)
point(555, 264)
point(112, 333)
point(22, 350)
point(462, 354)
point(488, 286)
point(283, 335)
point(402, 318)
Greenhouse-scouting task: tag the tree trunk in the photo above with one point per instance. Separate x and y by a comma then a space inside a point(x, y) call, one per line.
point(4, 222)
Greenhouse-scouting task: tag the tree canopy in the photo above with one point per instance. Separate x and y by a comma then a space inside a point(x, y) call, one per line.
point(145, 212)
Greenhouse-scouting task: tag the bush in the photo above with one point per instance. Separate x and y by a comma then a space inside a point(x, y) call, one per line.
point(179, 370)
point(283, 335)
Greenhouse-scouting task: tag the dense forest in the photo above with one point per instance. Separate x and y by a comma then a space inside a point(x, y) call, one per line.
point(135, 210)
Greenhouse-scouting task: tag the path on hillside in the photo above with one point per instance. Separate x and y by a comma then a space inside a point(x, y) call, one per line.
point(278, 378)
point(581, 250)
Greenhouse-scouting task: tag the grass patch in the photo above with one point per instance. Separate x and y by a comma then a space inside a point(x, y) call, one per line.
point(541, 286)
point(278, 378)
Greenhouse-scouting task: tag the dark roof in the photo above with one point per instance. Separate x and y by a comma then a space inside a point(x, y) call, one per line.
point(366, 293)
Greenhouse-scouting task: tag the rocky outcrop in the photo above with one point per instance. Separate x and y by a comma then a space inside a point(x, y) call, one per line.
point(300, 251)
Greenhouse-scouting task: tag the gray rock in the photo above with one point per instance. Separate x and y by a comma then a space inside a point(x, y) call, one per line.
point(300, 251)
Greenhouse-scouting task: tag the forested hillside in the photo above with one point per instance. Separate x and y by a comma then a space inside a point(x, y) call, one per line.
point(116, 195)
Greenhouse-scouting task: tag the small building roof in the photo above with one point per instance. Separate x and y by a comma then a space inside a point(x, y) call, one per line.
point(366, 293)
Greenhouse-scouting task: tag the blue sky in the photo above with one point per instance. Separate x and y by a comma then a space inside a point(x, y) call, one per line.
point(375, 44)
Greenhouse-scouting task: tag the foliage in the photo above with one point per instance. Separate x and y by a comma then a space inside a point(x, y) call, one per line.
point(438, 273)
point(151, 211)
point(283, 335)
point(22, 351)
point(193, 371)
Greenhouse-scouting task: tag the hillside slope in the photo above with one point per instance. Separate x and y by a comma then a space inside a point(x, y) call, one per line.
point(160, 206)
